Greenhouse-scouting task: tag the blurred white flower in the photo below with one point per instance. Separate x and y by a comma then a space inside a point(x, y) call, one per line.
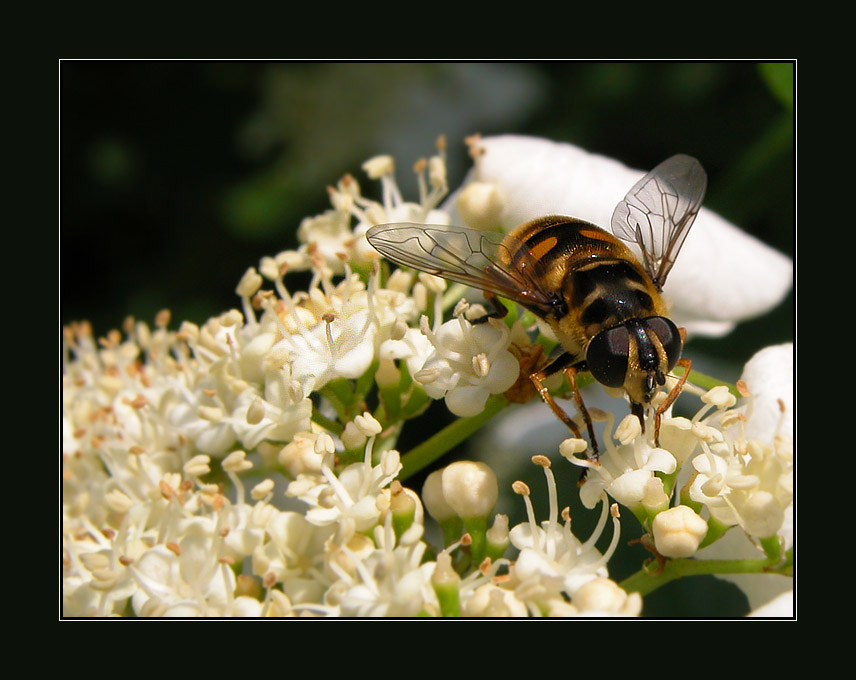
point(390, 580)
point(722, 276)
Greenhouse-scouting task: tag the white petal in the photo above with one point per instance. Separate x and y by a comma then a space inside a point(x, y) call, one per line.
point(780, 606)
point(722, 276)
point(467, 400)
point(629, 488)
point(769, 375)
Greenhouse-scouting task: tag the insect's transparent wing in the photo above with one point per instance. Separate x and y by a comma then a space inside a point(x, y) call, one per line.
point(489, 261)
point(659, 210)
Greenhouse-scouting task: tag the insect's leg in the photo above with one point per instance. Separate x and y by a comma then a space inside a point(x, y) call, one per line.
point(639, 411)
point(676, 390)
point(499, 309)
point(570, 372)
point(537, 378)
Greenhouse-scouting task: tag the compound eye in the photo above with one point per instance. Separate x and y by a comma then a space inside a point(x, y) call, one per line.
point(606, 356)
point(670, 337)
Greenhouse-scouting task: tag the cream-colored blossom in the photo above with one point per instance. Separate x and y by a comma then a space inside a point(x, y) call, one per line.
point(391, 580)
point(353, 493)
point(623, 471)
point(552, 560)
point(469, 362)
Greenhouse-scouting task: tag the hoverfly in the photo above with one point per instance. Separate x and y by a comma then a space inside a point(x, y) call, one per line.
point(602, 304)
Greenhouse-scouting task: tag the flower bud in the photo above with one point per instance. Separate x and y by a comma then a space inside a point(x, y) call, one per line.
point(498, 537)
point(720, 397)
point(654, 498)
point(678, 532)
point(470, 488)
point(433, 498)
point(605, 595)
point(387, 374)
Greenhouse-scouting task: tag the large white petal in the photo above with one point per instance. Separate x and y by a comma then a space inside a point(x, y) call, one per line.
point(722, 276)
point(769, 375)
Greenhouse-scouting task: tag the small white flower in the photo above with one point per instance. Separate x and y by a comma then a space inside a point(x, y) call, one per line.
point(186, 579)
point(391, 580)
point(625, 471)
point(353, 493)
point(336, 331)
point(748, 480)
point(327, 236)
point(414, 348)
point(469, 362)
point(295, 555)
point(769, 380)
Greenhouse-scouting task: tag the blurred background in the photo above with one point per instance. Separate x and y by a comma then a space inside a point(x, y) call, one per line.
point(175, 176)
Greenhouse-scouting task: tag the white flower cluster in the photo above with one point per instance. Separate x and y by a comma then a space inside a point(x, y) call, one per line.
point(739, 479)
point(174, 442)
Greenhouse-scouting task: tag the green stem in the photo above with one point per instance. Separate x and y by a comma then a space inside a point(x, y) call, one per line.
point(708, 382)
point(646, 581)
point(454, 293)
point(365, 383)
point(449, 437)
point(326, 423)
point(335, 401)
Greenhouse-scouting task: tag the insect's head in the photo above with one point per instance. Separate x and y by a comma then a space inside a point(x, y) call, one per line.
point(635, 355)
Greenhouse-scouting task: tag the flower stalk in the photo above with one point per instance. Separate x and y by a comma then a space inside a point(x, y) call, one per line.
point(654, 576)
point(439, 444)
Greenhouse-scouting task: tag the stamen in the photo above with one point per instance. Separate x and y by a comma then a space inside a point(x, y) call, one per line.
point(544, 462)
point(601, 523)
point(613, 544)
point(328, 318)
point(522, 489)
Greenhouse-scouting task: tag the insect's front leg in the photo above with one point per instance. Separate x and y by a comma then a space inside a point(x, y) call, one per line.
point(570, 372)
point(564, 362)
point(676, 390)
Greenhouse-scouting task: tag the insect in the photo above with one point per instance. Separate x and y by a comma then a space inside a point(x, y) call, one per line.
point(603, 304)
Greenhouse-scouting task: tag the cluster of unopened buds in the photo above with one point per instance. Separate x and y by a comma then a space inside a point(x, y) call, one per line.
point(248, 466)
